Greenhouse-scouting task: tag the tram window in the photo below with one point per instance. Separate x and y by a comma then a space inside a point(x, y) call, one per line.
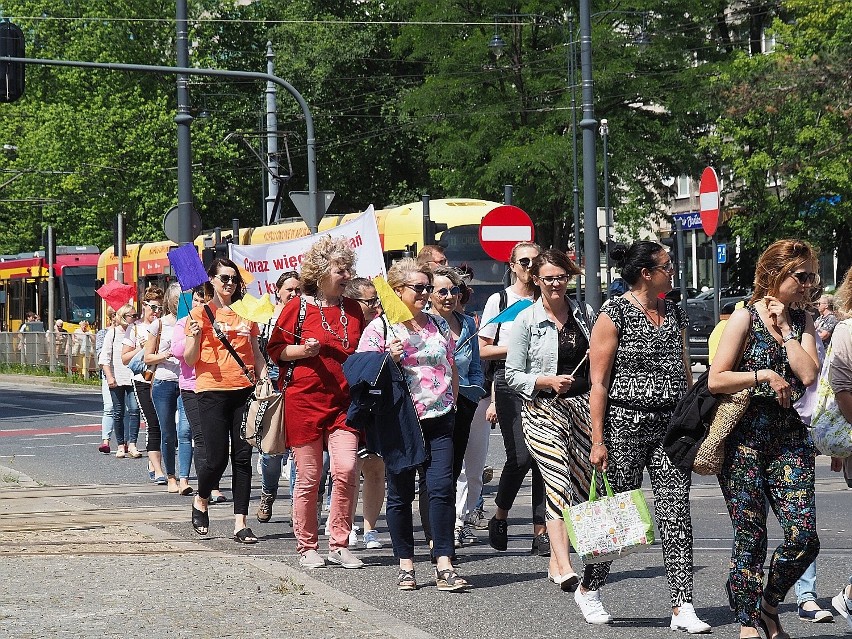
point(78, 286)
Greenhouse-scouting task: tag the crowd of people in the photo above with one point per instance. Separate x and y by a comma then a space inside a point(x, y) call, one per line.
point(573, 391)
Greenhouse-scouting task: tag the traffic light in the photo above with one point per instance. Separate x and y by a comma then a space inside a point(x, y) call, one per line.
point(11, 73)
point(431, 229)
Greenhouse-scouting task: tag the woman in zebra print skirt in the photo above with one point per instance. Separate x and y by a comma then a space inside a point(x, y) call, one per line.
point(547, 364)
point(639, 371)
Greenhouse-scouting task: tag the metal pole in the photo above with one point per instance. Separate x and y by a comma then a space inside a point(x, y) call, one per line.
point(717, 281)
point(310, 142)
point(51, 299)
point(235, 231)
point(427, 219)
point(184, 139)
point(572, 81)
point(681, 255)
point(590, 185)
point(507, 194)
point(271, 137)
point(607, 211)
point(119, 250)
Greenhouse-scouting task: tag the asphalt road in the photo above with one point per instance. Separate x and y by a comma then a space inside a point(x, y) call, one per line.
point(52, 434)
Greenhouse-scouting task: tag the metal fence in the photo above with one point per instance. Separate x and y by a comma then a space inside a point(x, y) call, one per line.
point(73, 353)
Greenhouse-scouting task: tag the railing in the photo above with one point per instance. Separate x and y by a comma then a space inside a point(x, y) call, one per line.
point(74, 352)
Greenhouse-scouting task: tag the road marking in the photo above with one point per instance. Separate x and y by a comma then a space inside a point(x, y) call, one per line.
point(35, 432)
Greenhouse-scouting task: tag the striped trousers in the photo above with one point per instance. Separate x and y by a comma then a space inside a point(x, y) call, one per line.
point(558, 434)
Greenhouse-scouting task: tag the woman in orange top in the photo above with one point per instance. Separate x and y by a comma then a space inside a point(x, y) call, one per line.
point(222, 389)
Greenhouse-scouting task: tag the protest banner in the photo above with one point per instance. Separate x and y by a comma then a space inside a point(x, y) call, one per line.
point(263, 263)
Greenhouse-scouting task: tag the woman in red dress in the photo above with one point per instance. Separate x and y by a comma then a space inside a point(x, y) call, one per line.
point(317, 396)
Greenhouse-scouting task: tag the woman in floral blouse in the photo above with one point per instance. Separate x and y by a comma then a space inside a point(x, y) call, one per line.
point(423, 347)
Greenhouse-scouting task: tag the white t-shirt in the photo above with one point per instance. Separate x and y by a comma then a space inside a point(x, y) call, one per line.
point(135, 337)
point(491, 310)
point(168, 370)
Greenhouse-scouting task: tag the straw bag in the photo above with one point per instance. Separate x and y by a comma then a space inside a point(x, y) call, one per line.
point(610, 527)
point(728, 412)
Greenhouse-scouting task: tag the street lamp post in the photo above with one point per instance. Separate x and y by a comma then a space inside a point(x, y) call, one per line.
point(607, 211)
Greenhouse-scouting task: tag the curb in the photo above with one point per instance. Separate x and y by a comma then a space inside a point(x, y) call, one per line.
point(43, 381)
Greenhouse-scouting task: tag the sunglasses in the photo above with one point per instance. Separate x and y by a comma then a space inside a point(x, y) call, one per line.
point(372, 302)
point(227, 279)
point(668, 267)
point(448, 292)
point(130, 316)
point(421, 288)
point(524, 261)
point(806, 278)
point(155, 307)
point(550, 280)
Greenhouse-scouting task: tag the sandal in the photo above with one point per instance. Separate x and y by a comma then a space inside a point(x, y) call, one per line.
point(245, 536)
point(187, 491)
point(405, 580)
point(449, 580)
point(773, 617)
point(200, 521)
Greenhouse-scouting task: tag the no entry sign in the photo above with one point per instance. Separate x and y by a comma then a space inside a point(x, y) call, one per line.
point(708, 197)
point(502, 228)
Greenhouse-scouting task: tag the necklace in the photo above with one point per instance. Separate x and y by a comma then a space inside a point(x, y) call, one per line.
point(647, 311)
point(344, 322)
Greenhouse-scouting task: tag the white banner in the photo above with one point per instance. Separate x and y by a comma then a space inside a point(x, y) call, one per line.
point(263, 263)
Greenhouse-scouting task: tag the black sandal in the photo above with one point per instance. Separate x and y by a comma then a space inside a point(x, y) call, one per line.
point(773, 617)
point(449, 580)
point(245, 536)
point(405, 580)
point(200, 521)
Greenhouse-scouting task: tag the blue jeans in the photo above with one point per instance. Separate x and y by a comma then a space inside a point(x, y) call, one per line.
point(270, 472)
point(184, 434)
point(125, 414)
point(438, 468)
point(106, 420)
point(165, 395)
point(806, 586)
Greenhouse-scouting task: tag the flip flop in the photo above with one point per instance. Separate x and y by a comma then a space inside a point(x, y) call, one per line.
point(218, 499)
point(245, 536)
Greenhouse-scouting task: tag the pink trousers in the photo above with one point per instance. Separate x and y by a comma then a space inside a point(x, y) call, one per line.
point(342, 446)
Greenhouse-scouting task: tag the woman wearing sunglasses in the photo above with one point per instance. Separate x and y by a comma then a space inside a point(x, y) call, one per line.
point(119, 378)
point(424, 349)
point(444, 300)
point(548, 366)
point(770, 347)
point(639, 370)
point(134, 341)
point(222, 388)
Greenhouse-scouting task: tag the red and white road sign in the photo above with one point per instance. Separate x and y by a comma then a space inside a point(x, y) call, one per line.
point(502, 228)
point(708, 197)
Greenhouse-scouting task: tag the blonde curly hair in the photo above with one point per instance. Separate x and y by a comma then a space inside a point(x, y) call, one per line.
point(399, 272)
point(326, 253)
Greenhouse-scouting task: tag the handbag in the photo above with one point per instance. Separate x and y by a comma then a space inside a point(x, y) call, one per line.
point(148, 373)
point(728, 412)
point(609, 527)
point(831, 433)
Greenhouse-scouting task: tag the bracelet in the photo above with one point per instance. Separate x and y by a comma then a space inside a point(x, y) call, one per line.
point(755, 379)
point(598, 444)
point(788, 337)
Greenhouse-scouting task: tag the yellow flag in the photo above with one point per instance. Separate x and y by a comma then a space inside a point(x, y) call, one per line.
point(254, 309)
point(395, 310)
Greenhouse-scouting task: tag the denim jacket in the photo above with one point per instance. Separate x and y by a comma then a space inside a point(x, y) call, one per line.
point(534, 346)
point(471, 377)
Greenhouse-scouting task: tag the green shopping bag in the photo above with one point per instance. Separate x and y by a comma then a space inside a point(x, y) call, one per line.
point(606, 528)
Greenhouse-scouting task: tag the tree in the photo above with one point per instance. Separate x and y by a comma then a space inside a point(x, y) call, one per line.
point(785, 134)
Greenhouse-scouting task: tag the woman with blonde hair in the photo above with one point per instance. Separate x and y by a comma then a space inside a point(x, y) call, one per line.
point(134, 342)
point(424, 348)
point(328, 326)
point(119, 379)
point(770, 347)
point(164, 386)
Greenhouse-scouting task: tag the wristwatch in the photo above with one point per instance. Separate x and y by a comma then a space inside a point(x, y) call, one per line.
point(788, 337)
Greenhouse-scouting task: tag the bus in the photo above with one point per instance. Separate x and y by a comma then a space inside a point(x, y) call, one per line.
point(400, 232)
point(24, 282)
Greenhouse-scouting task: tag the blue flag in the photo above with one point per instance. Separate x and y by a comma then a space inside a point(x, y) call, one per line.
point(510, 313)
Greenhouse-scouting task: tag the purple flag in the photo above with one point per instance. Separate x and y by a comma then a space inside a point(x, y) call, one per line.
point(188, 267)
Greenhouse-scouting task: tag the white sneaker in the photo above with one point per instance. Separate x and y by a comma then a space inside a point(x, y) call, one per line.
point(688, 621)
point(371, 540)
point(344, 557)
point(591, 607)
point(843, 605)
point(311, 559)
point(353, 536)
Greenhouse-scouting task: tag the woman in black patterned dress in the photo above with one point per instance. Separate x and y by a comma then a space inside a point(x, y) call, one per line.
point(639, 370)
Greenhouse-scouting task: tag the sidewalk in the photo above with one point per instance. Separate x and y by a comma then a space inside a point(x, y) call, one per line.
point(72, 569)
point(10, 379)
